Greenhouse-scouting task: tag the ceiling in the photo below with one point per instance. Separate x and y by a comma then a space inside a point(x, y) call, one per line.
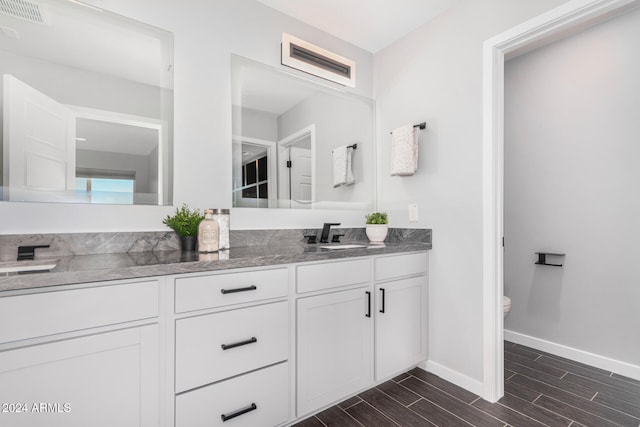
point(112, 137)
point(369, 24)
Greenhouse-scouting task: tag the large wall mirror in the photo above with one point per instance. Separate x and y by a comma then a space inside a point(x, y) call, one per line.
point(286, 129)
point(87, 105)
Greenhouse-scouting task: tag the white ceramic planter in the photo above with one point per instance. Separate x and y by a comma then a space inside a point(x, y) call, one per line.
point(377, 232)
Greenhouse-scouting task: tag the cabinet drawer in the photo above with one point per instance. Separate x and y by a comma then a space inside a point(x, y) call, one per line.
point(49, 313)
point(201, 292)
point(263, 394)
point(326, 275)
point(390, 267)
point(253, 337)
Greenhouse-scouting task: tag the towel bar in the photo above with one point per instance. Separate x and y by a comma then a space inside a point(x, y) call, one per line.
point(422, 125)
point(354, 146)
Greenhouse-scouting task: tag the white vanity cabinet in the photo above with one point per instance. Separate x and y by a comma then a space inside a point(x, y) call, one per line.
point(354, 315)
point(257, 346)
point(232, 348)
point(401, 291)
point(81, 357)
point(334, 337)
point(334, 343)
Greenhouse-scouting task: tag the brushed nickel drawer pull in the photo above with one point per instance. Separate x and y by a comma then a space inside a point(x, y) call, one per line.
point(238, 344)
point(231, 291)
point(239, 412)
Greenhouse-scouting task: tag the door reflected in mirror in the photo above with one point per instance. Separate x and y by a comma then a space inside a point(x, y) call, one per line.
point(285, 128)
point(296, 170)
point(87, 116)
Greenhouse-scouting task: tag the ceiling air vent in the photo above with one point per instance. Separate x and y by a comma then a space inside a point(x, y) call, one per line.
point(314, 60)
point(23, 9)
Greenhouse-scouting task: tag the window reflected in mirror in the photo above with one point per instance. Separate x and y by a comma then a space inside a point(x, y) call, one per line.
point(255, 178)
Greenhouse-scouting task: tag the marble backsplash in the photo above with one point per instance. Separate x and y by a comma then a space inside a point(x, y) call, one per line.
point(128, 242)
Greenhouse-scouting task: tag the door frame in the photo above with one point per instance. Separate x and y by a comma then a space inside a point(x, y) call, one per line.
point(543, 29)
point(285, 143)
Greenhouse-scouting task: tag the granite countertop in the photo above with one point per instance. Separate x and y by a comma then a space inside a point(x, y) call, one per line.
point(115, 266)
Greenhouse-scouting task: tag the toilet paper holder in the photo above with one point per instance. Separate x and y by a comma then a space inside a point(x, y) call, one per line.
point(542, 258)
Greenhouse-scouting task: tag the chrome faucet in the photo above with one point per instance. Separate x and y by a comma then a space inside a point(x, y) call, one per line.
point(324, 237)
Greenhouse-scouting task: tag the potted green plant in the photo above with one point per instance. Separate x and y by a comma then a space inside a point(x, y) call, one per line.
point(185, 224)
point(377, 227)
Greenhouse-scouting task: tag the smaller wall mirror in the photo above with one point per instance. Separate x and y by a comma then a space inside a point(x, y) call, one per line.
point(86, 106)
point(285, 131)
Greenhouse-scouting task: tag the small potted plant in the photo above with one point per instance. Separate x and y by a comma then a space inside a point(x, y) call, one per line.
point(185, 224)
point(377, 227)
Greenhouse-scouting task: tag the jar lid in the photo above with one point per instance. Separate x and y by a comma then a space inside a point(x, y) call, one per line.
point(221, 211)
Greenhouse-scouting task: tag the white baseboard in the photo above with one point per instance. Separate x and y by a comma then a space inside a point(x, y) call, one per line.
point(455, 377)
point(602, 362)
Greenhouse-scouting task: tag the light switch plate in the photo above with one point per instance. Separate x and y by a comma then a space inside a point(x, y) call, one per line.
point(413, 213)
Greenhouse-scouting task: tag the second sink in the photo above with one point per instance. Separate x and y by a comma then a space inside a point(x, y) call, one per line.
point(345, 246)
point(24, 266)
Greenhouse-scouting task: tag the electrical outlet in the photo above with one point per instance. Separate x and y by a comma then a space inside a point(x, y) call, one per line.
point(413, 213)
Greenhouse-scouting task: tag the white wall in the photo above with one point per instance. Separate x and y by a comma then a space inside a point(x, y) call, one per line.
point(258, 124)
point(338, 121)
point(206, 33)
point(435, 75)
point(571, 185)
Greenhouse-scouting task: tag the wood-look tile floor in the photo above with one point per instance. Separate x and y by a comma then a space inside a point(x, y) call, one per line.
point(540, 390)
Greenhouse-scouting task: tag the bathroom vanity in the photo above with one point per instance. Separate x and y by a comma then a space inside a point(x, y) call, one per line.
point(263, 340)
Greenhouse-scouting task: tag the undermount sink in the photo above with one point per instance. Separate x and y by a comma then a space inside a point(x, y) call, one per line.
point(27, 266)
point(345, 246)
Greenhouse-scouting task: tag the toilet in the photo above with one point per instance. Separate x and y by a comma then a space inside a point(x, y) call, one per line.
point(506, 306)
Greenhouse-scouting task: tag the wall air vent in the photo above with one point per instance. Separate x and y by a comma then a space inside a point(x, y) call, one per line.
point(23, 9)
point(314, 60)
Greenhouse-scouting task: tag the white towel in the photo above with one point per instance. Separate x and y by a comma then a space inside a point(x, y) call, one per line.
point(404, 151)
point(342, 172)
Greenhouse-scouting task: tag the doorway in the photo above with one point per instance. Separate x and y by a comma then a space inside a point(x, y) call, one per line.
point(538, 31)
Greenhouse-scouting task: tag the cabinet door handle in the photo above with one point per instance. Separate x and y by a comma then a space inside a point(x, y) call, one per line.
point(239, 344)
point(239, 412)
point(368, 304)
point(382, 294)
point(231, 291)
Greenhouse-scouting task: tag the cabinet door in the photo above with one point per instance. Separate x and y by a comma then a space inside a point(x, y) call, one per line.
point(401, 325)
point(108, 379)
point(335, 343)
